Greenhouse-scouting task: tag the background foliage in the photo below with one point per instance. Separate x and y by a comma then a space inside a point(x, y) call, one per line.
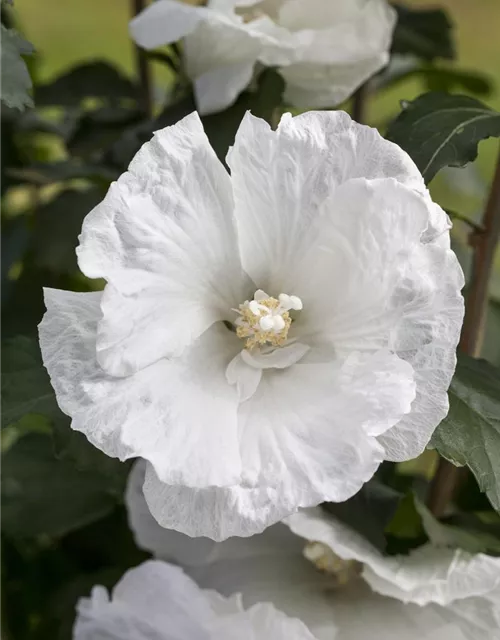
point(63, 522)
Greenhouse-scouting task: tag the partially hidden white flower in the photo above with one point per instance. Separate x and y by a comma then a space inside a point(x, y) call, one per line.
point(266, 338)
point(158, 601)
point(324, 49)
point(346, 589)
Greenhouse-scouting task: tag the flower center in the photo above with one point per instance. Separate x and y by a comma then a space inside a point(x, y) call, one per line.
point(266, 320)
point(327, 561)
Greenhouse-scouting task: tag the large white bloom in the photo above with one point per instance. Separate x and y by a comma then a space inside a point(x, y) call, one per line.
point(324, 49)
point(157, 601)
point(347, 590)
point(266, 338)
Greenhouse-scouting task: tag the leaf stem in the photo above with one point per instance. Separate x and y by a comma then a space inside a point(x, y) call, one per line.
point(143, 67)
point(477, 228)
point(484, 241)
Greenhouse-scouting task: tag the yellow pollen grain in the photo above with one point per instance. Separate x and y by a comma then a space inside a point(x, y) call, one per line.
point(254, 335)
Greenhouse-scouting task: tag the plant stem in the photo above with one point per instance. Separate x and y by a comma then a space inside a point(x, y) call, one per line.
point(143, 68)
point(359, 103)
point(484, 242)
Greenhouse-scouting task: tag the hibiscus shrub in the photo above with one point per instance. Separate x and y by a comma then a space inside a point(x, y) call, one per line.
point(260, 303)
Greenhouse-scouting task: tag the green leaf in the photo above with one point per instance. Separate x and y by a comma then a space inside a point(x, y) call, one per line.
point(407, 522)
point(448, 80)
point(368, 512)
point(440, 130)
point(426, 33)
point(446, 535)
point(470, 434)
point(26, 386)
point(96, 79)
point(16, 81)
point(221, 127)
point(99, 128)
point(15, 238)
point(413, 519)
point(44, 173)
point(434, 78)
point(43, 495)
point(131, 140)
point(57, 226)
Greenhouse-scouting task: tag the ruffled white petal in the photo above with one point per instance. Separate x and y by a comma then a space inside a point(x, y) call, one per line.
point(348, 42)
point(364, 615)
point(179, 414)
point(325, 50)
point(164, 22)
point(282, 178)
point(220, 48)
point(260, 622)
point(157, 601)
point(271, 567)
point(463, 589)
point(165, 241)
point(307, 435)
point(219, 87)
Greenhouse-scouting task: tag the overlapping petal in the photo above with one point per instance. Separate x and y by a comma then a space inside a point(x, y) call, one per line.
point(220, 48)
point(308, 434)
point(164, 240)
point(432, 594)
point(324, 50)
point(328, 201)
point(282, 179)
point(463, 589)
point(328, 73)
point(160, 413)
point(157, 601)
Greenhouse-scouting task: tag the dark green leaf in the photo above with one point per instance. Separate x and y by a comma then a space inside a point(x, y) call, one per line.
point(96, 79)
point(426, 33)
point(448, 80)
point(57, 226)
point(407, 522)
point(446, 535)
point(43, 173)
point(15, 238)
point(470, 434)
point(43, 495)
point(413, 519)
point(368, 512)
point(167, 58)
point(26, 387)
point(132, 139)
point(221, 127)
point(440, 130)
point(16, 81)
point(23, 306)
point(99, 128)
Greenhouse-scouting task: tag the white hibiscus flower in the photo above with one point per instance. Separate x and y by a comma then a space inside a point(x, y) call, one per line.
point(266, 338)
point(157, 601)
point(346, 589)
point(323, 49)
